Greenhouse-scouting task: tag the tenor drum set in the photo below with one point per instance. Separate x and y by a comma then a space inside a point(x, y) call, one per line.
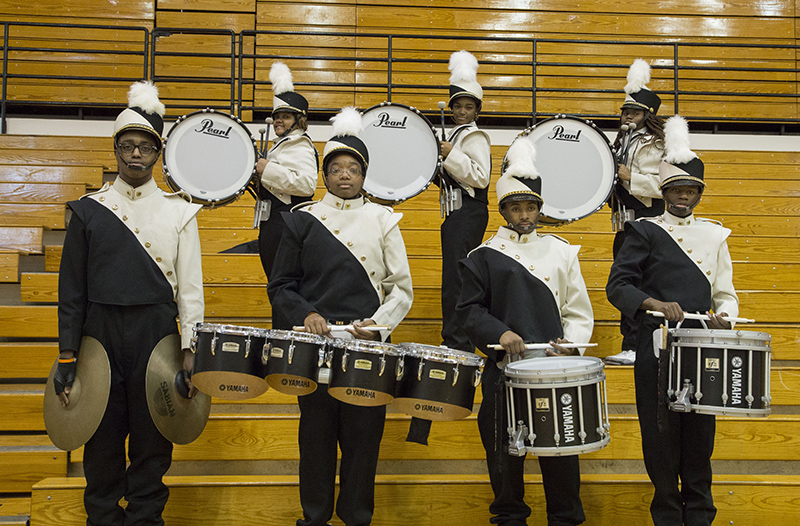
point(238, 363)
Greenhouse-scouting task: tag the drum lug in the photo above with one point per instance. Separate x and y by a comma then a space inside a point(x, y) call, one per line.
point(214, 343)
point(265, 353)
point(750, 400)
point(383, 365)
point(321, 357)
point(682, 403)
point(516, 442)
point(420, 368)
point(478, 375)
point(193, 343)
point(455, 374)
point(329, 358)
point(247, 347)
point(582, 436)
point(401, 368)
point(291, 352)
point(344, 362)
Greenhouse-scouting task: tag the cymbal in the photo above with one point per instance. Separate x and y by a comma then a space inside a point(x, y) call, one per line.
point(71, 427)
point(179, 419)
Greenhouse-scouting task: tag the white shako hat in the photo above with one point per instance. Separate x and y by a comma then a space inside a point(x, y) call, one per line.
point(637, 94)
point(464, 77)
point(520, 180)
point(144, 112)
point(347, 126)
point(284, 97)
point(680, 165)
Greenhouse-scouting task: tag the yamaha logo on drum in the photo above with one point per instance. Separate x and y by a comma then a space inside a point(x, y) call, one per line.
point(385, 121)
point(559, 134)
point(207, 128)
point(430, 408)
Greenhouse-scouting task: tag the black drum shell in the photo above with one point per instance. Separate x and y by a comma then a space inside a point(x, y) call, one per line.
point(360, 385)
point(433, 395)
point(296, 378)
point(229, 375)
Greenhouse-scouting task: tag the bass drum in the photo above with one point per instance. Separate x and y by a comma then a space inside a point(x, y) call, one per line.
point(403, 152)
point(211, 156)
point(577, 166)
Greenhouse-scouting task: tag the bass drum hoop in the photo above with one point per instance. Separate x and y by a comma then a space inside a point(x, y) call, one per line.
point(179, 182)
point(385, 161)
point(551, 215)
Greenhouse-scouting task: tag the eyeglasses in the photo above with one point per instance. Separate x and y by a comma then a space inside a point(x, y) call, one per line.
point(144, 149)
point(355, 171)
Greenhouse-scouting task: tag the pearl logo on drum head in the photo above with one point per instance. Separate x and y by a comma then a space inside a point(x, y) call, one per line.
point(207, 128)
point(559, 134)
point(386, 121)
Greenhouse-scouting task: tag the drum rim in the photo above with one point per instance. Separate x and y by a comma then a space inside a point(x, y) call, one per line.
point(446, 354)
point(722, 333)
point(168, 176)
point(552, 221)
point(304, 337)
point(593, 365)
point(432, 129)
point(542, 451)
point(230, 329)
point(390, 349)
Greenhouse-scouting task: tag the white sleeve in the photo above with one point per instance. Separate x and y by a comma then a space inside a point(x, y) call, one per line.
point(723, 295)
point(470, 162)
point(644, 172)
point(189, 270)
point(292, 170)
point(397, 288)
point(577, 316)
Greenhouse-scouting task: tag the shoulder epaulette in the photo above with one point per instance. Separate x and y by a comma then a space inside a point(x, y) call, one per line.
point(707, 220)
point(557, 237)
point(105, 188)
point(304, 204)
point(387, 207)
point(180, 193)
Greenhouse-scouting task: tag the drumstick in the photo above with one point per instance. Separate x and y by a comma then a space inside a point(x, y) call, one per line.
point(442, 105)
point(264, 145)
point(693, 316)
point(543, 346)
point(345, 327)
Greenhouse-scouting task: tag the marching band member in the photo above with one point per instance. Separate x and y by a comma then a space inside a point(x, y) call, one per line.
point(640, 149)
point(341, 259)
point(468, 167)
point(131, 264)
point(518, 287)
point(288, 174)
point(674, 263)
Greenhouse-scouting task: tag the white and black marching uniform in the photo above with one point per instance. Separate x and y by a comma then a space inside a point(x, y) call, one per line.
point(683, 260)
point(344, 259)
point(289, 178)
point(641, 195)
point(131, 264)
point(532, 285)
point(469, 165)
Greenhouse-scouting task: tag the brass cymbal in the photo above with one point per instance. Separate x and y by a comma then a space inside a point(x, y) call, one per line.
point(179, 419)
point(71, 427)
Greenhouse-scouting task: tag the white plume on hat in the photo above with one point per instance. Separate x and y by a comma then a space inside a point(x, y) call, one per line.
point(463, 67)
point(347, 122)
point(676, 141)
point(281, 77)
point(144, 95)
point(521, 159)
point(638, 76)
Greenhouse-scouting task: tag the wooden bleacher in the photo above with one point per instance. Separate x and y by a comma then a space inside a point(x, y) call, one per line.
point(245, 461)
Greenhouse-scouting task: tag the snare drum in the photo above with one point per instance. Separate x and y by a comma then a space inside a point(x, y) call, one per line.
point(719, 372)
point(364, 372)
point(556, 406)
point(439, 383)
point(211, 156)
point(293, 360)
point(403, 150)
point(577, 166)
point(227, 361)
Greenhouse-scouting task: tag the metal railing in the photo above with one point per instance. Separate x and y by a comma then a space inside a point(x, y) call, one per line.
point(540, 74)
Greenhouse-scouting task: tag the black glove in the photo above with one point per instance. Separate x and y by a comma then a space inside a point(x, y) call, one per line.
point(65, 375)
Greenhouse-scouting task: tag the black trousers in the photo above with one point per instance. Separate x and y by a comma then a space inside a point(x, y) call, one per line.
point(679, 451)
point(561, 476)
point(461, 231)
point(626, 325)
point(269, 235)
point(325, 423)
point(129, 335)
